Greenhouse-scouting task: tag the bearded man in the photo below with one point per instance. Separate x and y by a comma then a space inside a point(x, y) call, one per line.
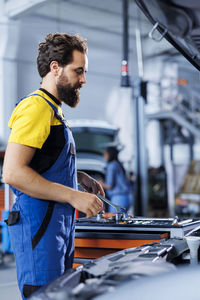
point(40, 167)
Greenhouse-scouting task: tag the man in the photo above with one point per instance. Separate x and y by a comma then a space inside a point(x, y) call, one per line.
point(40, 166)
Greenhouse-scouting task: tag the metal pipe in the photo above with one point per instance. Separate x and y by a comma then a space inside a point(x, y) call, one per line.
point(191, 146)
point(141, 185)
point(139, 52)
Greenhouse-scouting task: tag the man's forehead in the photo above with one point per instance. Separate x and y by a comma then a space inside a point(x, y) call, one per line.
point(79, 59)
point(86, 62)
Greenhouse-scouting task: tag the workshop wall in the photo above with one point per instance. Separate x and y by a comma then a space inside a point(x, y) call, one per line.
point(103, 77)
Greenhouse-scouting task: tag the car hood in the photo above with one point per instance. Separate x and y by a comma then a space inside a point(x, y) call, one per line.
point(179, 22)
point(91, 162)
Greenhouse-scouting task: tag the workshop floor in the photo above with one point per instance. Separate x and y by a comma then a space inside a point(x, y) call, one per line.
point(8, 281)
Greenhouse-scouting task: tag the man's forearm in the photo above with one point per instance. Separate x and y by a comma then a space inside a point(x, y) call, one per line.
point(33, 184)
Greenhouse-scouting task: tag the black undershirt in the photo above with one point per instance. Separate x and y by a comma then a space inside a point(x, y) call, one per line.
point(51, 96)
point(45, 157)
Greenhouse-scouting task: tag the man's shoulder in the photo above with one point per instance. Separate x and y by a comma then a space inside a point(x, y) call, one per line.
point(33, 103)
point(32, 107)
point(33, 99)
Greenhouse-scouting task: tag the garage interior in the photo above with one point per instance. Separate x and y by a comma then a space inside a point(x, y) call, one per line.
point(142, 95)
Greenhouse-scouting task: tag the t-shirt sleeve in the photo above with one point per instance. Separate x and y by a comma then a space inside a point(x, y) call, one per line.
point(110, 174)
point(30, 122)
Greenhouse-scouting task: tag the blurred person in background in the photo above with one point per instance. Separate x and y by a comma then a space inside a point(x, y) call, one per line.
point(116, 183)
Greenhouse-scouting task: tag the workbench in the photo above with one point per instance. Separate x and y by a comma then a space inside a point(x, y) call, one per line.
point(94, 239)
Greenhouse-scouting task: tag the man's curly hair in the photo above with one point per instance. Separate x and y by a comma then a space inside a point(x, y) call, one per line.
point(58, 47)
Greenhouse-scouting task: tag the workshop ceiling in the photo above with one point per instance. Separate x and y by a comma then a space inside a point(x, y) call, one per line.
point(103, 17)
point(100, 22)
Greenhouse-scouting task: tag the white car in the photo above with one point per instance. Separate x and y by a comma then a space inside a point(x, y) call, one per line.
point(91, 138)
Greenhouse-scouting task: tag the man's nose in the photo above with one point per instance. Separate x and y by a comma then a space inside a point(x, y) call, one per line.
point(83, 79)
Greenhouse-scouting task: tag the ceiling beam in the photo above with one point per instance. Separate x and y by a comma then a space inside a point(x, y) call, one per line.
point(107, 10)
point(16, 8)
point(77, 23)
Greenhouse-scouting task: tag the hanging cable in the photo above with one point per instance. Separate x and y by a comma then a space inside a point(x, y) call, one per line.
point(58, 16)
point(124, 65)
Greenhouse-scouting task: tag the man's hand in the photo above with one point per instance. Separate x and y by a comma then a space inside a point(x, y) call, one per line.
point(90, 184)
point(87, 203)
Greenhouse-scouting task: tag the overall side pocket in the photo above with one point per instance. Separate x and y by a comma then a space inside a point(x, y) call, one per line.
point(15, 228)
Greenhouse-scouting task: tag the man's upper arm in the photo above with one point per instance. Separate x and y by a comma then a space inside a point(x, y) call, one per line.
point(16, 156)
point(31, 122)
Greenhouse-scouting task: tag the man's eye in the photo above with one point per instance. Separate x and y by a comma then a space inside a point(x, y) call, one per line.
point(79, 72)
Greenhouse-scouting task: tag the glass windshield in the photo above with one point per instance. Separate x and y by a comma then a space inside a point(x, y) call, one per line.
point(92, 142)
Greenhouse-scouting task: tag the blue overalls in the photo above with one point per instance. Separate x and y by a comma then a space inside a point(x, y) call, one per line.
point(41, 231)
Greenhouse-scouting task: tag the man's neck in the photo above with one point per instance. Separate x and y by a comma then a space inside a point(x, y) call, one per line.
point(49, 88)
point(51, 96)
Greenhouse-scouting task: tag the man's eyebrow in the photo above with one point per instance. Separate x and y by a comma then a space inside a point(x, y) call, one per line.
point(81, 69)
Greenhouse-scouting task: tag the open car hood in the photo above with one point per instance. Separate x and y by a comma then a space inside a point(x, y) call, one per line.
point(179, 22)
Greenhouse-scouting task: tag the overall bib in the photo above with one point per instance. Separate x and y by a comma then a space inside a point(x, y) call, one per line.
point(41, 231)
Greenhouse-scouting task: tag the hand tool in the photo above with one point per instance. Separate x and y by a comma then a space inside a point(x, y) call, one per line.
point(117, 207)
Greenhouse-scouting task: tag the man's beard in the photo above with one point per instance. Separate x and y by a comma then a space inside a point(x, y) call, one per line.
point(68, 94)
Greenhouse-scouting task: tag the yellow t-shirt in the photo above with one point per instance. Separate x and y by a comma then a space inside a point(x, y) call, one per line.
point(32, 119)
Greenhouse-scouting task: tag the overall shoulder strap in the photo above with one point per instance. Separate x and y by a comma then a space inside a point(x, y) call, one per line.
point(58, 116)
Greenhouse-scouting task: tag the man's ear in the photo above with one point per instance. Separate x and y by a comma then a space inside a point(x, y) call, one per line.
point(54, 67)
